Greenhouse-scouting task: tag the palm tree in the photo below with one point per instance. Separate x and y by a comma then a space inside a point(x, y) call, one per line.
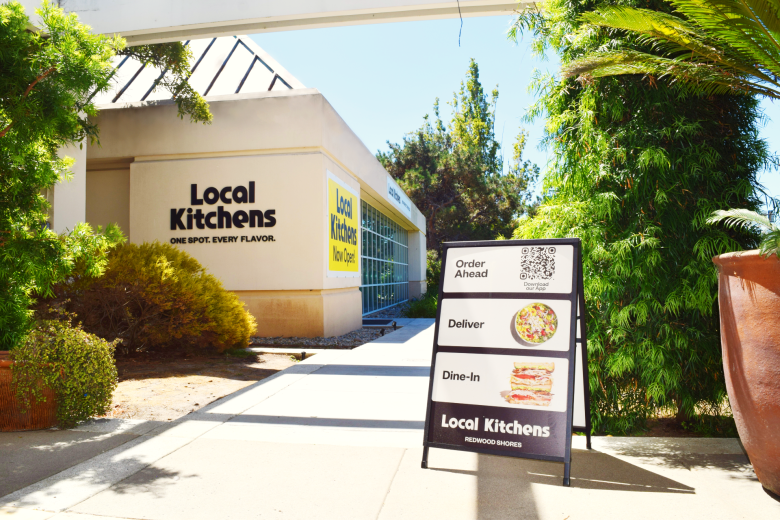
point(714, 47)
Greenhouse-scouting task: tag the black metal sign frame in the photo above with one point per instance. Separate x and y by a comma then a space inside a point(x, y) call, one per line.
point(577, 300)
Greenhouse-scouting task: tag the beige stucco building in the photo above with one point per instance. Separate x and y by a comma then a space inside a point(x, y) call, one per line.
point(277, 197)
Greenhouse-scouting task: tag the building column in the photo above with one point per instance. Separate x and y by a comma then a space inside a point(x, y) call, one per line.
point(417, 264)
point(69, 200)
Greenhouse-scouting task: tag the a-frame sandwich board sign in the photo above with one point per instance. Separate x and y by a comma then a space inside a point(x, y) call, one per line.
point(509, 373)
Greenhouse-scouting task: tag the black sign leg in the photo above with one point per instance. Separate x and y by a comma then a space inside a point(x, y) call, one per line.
point(424, 464)
point(566, 473)
point(585, 371)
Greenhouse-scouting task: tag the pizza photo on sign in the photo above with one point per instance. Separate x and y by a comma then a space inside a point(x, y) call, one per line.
point(531, 384)
point(534, 324)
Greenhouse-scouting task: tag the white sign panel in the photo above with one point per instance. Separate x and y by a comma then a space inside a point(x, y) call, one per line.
point(503, 323)
point(533, 268)
point(540, 383)
point(399, 198)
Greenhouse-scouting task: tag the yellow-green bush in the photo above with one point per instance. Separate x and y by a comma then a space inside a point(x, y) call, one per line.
point(155, 296)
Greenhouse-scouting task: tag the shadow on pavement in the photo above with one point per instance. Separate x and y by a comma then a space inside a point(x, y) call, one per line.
point(590, 470)
point(151, 479)
point(238, 370)
point(373, 370)
point(671, 453)
point(28, 457)
point(771, 495)
point(596, 470)
point(327, 421)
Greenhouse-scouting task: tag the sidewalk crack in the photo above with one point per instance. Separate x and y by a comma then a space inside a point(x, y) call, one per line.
point(390, 486)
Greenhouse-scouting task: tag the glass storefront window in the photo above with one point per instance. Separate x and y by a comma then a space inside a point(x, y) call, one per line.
point(385, 278)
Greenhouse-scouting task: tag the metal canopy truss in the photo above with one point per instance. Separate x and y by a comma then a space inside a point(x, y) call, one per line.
point(221, 66)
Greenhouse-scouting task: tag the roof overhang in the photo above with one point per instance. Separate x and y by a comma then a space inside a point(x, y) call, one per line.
point(155, 21)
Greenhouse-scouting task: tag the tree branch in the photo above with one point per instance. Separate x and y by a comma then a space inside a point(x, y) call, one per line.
point(27, 92)
point(39, 78)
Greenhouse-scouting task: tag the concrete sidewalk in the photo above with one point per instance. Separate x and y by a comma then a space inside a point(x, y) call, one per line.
point(339, 436)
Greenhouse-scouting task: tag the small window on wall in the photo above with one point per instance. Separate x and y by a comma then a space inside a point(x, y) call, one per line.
point(384, 261)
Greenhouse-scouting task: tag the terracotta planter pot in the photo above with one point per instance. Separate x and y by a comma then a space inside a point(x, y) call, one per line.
point(40, 415)
point(749, 297)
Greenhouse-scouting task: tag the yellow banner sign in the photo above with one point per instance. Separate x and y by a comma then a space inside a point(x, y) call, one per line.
point(343, 228)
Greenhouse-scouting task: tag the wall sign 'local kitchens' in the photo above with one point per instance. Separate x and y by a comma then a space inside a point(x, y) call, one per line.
point(510, 358)
point(228, 214)
point(343, 228)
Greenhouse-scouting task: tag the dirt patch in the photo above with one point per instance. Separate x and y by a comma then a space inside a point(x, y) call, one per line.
point(706, 426)
point(157, 389)
point(667, 427)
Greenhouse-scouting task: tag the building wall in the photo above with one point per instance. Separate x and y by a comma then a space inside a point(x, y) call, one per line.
point(292, 261)
point(285, 144)
point(108, 198)
point(417, 264)
point(68, 198)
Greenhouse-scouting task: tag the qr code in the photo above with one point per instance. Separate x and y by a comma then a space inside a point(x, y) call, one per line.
point(537, 263)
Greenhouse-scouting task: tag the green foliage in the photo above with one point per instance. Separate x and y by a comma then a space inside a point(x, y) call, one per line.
point(240, 353)
point(746, 219)
point(174, 59)
point(711, 46)
point(77, 366)
point(455, 176)
point(425, 306)
point(155, 296)
point(45, 88)
point(637, 170)
point(433, 268)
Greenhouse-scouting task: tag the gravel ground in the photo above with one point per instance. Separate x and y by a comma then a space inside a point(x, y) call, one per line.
point(396, 311)
point(350, 340)
point(347, 341)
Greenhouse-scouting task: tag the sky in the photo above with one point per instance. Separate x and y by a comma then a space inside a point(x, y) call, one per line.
point(382, 79)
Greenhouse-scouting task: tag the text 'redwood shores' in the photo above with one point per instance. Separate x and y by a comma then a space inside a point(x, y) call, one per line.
point(510, 368)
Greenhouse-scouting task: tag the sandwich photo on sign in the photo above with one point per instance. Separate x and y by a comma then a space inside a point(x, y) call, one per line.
point(500, 380)
point(531, 384)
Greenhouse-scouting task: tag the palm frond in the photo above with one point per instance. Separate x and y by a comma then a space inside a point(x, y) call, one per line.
point(698, 78)
point(742, 24)
point(741, 218)
point(653, 24)
point(739, 37)
point(770, 244)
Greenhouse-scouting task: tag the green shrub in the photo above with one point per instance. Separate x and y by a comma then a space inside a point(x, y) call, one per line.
point(155, 296)
point(433, 268)
point(76, 365)
point(425, 306)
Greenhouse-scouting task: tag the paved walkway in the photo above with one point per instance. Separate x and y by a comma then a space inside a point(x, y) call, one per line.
point(339, 436)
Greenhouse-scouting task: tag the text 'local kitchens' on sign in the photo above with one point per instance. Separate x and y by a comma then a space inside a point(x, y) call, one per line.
point(526, 269)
